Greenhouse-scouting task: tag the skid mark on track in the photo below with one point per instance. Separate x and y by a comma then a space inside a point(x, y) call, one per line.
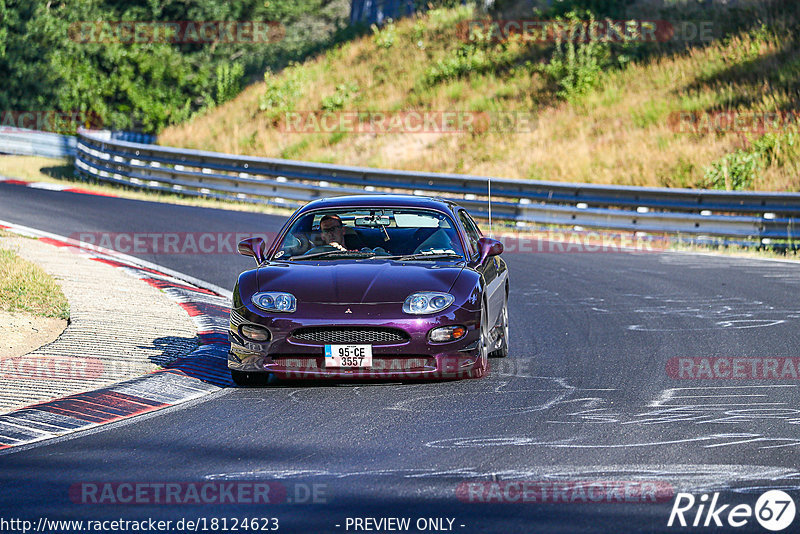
point(784, 273)
point(534, 294)
point(683, 477)
point(709, 441)
point(526, 394)
point(738, 324)
point(684, 414)
point(716, 312)
point(671, 394)
point(553, 390)
point(750, 405)
point(517, 441)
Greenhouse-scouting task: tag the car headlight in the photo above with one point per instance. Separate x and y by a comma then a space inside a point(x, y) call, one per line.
point(275, 302)
point(427, 302)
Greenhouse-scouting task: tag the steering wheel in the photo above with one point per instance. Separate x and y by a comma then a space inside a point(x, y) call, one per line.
point(296, 244)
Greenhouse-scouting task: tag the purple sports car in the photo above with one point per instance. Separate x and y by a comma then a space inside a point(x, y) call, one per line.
point(379, 286)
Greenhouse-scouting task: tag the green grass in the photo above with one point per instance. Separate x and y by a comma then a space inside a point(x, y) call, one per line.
point(25, 287)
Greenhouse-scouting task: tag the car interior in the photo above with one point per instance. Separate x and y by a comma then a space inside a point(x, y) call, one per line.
point(305, 236)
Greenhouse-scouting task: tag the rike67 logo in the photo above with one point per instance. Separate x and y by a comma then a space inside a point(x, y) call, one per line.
point(774, 510)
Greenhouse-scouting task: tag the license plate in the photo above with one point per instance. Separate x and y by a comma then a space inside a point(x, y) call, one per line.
point(348, 355)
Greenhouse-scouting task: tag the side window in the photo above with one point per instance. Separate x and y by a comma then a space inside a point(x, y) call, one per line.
point(473, 224)
point(472, 232)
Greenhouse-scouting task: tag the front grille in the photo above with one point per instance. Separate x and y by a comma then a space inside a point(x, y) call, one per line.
point(350, 335)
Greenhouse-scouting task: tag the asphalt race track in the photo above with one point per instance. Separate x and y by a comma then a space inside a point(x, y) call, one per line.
point(585, 395)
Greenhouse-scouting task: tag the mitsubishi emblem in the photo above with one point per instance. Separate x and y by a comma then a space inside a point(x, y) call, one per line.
point(348, 310)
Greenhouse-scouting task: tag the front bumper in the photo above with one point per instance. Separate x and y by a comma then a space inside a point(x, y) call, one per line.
point(415, 358)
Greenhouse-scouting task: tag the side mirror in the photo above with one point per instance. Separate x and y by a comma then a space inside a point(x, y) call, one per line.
point(254, 247)
point(489, 247)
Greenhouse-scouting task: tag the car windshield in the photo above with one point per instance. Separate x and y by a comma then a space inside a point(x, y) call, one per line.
point(380, 233)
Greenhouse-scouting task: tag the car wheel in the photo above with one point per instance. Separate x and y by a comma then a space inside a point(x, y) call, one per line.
point(502, 350)
point(482, 364)
point(245, 379)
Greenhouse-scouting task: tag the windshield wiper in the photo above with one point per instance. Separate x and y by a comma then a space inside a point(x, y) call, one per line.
point(411, 257)
point(340, 253)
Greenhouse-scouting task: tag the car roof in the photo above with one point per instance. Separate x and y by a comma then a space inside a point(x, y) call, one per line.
point(381, 201)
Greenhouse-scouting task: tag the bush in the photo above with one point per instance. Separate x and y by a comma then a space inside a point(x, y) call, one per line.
point(476, 56)
point(229, 81)
point(342, 95)
point(740, 169)
point(576, 67)
point(384, 38)
point(778, 150)
point(282, 92)
point(734, 172)
point(3, 29)
point(578, 61)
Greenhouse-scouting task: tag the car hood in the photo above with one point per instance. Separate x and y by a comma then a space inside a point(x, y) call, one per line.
point(357, 282)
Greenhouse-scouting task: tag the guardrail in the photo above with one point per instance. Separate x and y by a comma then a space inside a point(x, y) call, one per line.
point(22, 142)
point(122, 135)
point(290, 183)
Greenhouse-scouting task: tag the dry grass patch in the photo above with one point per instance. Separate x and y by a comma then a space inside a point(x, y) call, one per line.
point(617, 133)
point(25, 287)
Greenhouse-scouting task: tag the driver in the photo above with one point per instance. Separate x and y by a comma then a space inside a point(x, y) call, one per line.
point(332, 231)
point(333, 235)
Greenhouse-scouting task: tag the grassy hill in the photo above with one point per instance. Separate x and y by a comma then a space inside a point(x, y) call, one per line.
point(604, 112)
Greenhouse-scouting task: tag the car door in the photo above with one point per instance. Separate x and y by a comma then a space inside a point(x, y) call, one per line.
point(493, 283)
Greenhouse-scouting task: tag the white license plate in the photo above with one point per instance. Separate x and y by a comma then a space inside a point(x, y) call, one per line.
point(348, 355)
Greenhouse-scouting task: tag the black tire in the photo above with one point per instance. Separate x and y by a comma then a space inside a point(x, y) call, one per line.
point(483, 349)
point(245, 379)
point(502, 350)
